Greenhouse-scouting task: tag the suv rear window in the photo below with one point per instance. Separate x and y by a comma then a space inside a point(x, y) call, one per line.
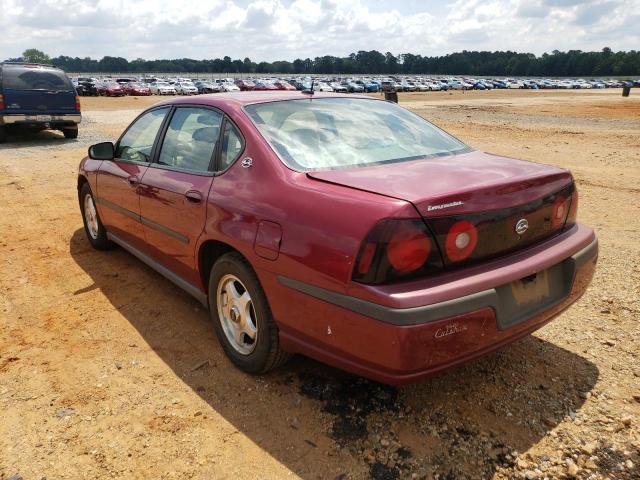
point(26, 78)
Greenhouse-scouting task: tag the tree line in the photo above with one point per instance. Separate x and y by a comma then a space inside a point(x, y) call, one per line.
point(556, 64)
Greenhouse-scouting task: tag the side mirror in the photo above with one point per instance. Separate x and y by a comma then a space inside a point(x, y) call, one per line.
point(102, 151)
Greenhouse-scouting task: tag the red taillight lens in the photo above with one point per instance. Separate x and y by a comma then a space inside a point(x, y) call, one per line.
point(77, 103)
point(1, 102)
point(397, 249)
point(573, 208)
point(461, 241)
point(559, 212)
point(366, 258)
point(408, 248)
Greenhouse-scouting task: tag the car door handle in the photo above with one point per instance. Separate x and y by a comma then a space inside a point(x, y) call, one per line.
point(133, 180)
point(193, 196)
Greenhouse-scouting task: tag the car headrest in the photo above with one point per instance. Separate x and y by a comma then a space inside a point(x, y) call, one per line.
point(206, 134)
point(207, 119)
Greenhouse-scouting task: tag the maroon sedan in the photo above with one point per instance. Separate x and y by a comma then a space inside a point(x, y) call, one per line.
point(393, 251)
point(111, 89)
point(136, 89)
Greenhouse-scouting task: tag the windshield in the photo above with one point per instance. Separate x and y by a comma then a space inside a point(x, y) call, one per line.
point(26, 78)
point(329, 133)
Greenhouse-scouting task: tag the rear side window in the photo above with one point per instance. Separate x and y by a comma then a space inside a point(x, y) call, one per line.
point(191, 139)
point(137, 143)
point(25, 78)
point(231, 145)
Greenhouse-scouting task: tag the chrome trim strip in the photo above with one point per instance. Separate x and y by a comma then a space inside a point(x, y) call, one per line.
point(9, 118)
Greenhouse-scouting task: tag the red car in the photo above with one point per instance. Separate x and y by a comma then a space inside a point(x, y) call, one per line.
point(282, 85)
point(137, 89)
point(111, 89)
point(244, 85)
point(393, 252)
point(260, 85)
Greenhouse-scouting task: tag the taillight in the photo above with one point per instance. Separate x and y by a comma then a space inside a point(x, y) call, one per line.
point(461, 240)
point(1, 102)
point(408, 248)
point(559, 211)
point(573, 209)
point(77, 103)
point(397, 249)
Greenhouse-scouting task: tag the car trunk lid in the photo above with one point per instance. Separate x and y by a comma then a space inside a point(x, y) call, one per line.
point(490, 192)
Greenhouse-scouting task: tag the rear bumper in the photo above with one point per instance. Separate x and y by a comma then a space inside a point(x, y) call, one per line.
point(62, 119)
point(400, 345)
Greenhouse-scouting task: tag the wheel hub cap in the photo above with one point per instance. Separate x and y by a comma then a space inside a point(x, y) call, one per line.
point(236, 314)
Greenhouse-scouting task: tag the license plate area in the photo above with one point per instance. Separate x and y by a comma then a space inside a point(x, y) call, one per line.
point(531, 289)
point(43, 118)
point(526, 297)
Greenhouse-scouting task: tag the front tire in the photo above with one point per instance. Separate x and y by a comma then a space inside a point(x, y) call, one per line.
point(3, 134)
point(242, 318)
point(93, 228)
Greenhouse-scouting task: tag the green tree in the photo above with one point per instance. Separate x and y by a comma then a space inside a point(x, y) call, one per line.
point(33, 55)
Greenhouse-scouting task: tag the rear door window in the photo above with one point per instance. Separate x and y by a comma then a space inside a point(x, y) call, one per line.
point(191, 139)
point(137, 143)
point(25, 78)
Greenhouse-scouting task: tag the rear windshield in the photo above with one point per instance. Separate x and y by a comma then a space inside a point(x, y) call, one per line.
point(25, 78)
point(330, 133)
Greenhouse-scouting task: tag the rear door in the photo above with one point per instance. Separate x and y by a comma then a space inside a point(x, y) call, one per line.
point(119, 180)
point(34, 90)
point(174, 189)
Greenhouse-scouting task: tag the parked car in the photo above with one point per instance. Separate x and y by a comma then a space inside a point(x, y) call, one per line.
point(339, 87)
point(228, 87)
point(262, 85)
point(109, 88)
point(162, 88)
point(37, 97)
point(86, 88)
point(244, 85)
point(185, 88)
point(137, 89)
point(282, 85)
point(392, 251)
point(206, 87)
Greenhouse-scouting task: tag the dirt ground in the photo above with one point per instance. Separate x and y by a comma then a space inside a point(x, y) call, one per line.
point(109, 371)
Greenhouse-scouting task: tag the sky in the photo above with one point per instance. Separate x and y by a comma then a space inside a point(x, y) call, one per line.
point(268, 30)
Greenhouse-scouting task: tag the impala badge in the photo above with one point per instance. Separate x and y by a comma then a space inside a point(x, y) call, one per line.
point(522, 226)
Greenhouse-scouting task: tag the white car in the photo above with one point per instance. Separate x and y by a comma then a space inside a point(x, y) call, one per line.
point(229, 87)
point(162, 88)
point(185, 88)
point(322, 87)
point(434, 86)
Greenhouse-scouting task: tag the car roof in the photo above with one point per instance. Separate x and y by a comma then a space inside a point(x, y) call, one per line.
point(240, 99)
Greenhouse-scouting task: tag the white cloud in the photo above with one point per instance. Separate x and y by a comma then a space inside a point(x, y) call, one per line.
point(287, 29)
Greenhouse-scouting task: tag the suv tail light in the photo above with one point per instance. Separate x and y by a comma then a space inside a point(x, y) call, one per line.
point(77, 103)
point(1, 102)
point(397, 249)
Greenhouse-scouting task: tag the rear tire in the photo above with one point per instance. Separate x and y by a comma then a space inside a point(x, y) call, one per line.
point(93, 228)
point(3, 134)
point(262, 353)
point(70, 132)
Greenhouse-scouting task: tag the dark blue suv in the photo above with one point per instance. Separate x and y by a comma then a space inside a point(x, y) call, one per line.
point(37, 97)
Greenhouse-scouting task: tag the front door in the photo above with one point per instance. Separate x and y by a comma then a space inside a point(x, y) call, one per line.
point(118, 180)
point(174, 190)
